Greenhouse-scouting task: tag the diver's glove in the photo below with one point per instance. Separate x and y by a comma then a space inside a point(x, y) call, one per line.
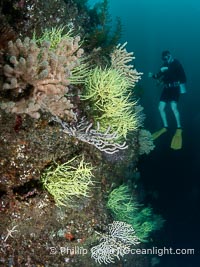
point(163, 69)
point(182, 88)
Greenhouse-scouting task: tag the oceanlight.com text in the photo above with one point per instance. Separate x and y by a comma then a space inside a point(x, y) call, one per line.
point(76, 250)
point(163, 251)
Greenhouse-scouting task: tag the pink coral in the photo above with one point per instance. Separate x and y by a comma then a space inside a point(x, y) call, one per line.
point(47, 72)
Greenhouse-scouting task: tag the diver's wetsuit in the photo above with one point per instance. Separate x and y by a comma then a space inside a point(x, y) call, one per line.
point(172, 78)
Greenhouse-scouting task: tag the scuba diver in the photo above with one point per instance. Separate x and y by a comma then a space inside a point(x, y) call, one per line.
point(172, 77)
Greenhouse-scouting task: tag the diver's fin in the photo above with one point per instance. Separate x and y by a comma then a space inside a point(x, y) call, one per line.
point(159, 133)
point(176, 142)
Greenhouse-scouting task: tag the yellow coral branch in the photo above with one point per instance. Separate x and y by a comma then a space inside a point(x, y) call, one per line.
point(66, 182)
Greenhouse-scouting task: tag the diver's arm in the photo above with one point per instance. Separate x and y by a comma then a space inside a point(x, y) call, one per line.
point(182, 74)
point(159, 74)
point(154, 76)
point(182, 78)
point(182, 88)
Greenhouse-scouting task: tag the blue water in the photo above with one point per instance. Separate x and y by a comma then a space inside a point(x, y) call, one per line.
point(149, 27)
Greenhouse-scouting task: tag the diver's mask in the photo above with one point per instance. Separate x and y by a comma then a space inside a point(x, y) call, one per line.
point(167, 59)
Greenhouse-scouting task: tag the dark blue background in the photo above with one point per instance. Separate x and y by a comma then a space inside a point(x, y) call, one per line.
point(151, 26)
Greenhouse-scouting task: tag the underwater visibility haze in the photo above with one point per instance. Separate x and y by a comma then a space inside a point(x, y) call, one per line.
point(151, 27)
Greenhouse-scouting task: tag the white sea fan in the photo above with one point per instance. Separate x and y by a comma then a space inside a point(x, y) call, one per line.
point(146, 144)
point(115, 244)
